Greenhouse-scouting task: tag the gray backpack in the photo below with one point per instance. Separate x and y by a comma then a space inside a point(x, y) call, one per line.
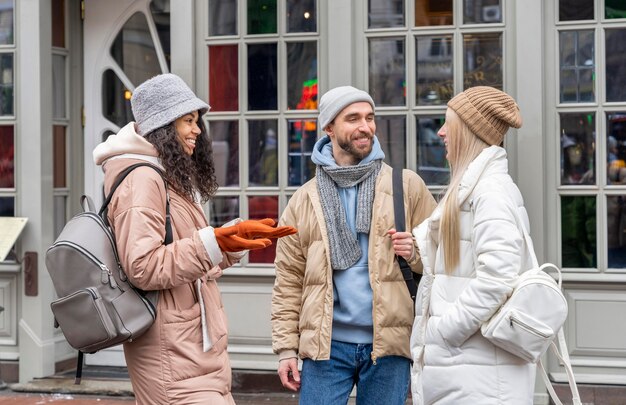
point(97, 306)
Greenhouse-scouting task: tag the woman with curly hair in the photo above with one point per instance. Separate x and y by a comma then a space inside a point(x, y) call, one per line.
point(182, 358)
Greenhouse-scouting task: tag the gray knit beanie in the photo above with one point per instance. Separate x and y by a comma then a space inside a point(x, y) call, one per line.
point(335, 100)
point(161, 100)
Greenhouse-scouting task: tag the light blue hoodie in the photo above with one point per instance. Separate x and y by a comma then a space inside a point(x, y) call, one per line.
point(352, 309)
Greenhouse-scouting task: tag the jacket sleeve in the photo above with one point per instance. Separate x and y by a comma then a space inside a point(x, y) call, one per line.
point(498, 245)
point(420, 204)
point(290, 264)
point(139, 226)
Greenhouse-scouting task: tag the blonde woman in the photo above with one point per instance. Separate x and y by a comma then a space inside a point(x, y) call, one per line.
point(472, 248)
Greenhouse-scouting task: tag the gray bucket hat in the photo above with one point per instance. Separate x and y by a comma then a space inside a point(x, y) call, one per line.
point(161, 100)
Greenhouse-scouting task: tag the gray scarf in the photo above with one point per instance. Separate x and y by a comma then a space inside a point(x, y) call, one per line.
point(344, 246)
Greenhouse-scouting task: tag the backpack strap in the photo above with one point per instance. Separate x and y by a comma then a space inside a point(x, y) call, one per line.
point(398, 213)
point(169, 236)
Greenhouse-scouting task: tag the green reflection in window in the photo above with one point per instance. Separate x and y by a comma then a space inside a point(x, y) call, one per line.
point(578, 231)
point(261, 17)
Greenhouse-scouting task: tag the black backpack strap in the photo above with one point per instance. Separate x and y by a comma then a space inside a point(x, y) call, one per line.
point(398, 211)
point(169, 236)
point(79, 368)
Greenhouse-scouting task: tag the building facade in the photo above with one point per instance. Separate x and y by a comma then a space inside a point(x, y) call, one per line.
point(69, 67)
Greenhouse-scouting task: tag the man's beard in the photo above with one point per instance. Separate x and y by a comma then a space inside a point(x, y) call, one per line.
point(355, 152)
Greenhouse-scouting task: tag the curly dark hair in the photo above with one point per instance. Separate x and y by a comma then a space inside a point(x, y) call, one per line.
point(186, 174)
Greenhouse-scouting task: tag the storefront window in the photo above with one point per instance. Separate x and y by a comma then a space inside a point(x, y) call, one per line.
point(302, 75)
point(115, 100)
point(59, 157)
point(615, 66)
point(578, 231)
point(262, 17)
point(301, 16)
point(223, 210)
point(7, 8)
point(433, 12)
point(578, 148)
point(385, 13)
point(387, 73)
point(58, 86)
point(262, 77)
point(576, 10)
point(301, 135)
point(614, 9)
point(616, 148)
point(225, 137)
point(433, 70)
point(6, 84)
point(263, 153)
point(160, 10)
point(482, 60)
point(58, 23)
point(577, 66)
point(7, 157)
point(391, 133)
point(222, 17)
point(263, 207)
point(482, 12)
point(223, 82)
point(7, 207)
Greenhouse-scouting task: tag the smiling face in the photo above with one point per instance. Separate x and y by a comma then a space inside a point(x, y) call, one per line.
point(187, 130)
point(352, 132)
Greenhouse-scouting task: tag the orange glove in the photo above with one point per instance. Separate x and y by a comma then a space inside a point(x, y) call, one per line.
point(228, 240)
point(263, 228)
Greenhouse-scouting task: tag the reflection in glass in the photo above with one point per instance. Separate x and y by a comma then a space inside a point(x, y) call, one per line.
point(302, 75)
point(391, 133)
point(482, 12)
point(160, 10)
point(614, 9)
point(261, 17)
point(6, 84)
point(616, 147)
point(57, 12)
point(222, 17)
point(432, 164)
point(385, 13)
point(6, 21)
point(263, 153)
point(115, 100)
point(577, 66)
point(223, 209)
point(59, 156)
point(225, 137)
point(262, 77)
point(106, 134)
point(134, 51)
point(301, 137)
point(7, 157)
point(7, 206)
point(387, 76)
point(573, 10)
point(223, 83)
point(578, 155)
point(433, 70)
point(58, 86)
point(301, 16)
point(429, 12)
point(615, 66)
point(260, 207)
point(59, 216)
point(578, 231)
point(482, 60)
point(616, 230)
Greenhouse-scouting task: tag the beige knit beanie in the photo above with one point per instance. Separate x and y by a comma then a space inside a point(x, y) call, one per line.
point(488, 112)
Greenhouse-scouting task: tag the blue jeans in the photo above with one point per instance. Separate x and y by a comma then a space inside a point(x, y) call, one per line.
point(329, 382)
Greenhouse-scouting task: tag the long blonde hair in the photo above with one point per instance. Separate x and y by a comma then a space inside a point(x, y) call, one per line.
point(463, 147)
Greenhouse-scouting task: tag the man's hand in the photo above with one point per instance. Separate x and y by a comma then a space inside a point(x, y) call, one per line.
point(403, 244)
point(289, 374)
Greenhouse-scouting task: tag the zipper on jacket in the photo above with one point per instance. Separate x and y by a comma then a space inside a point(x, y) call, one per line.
point(103, 267)
point(526, 326)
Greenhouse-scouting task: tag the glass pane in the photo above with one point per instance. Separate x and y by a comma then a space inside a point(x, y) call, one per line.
point(57, 12)
point(222, 17)
point(302, 135)
point(578, 231)
point(385, 13)
point(616, 230)
point(7, 157)
point(6, 21)
point(134, 51)
point(482, 12)
point(6, 84)
point(616, 147)
point(578, 148)
point(615, 67)
point(263, 153)
point(391, 133)
point(431, 12)
point(263, 207)
point(7, 206)
point(59, 217)
point(614, 9)
point(225, 136)
point(160, 10)
point(432, 164)
point(262, 77)
point(58, 86)
point(301, 16)
point(115, 100)
point(261, 17)
point(106, 134)
point(387, 76)
point(572, 10)
point(482, 60)
point(223, 83)
point(59, 157)
point(302, 75)
point(577, 66)
point(433, 70)
point(222, 210)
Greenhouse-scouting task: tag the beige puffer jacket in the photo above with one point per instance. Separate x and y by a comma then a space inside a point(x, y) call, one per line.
point(302, 302)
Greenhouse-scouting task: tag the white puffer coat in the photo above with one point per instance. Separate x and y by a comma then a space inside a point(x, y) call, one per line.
point(453, 363)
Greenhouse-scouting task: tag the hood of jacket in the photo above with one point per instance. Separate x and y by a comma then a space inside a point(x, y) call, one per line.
point(126, 143)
